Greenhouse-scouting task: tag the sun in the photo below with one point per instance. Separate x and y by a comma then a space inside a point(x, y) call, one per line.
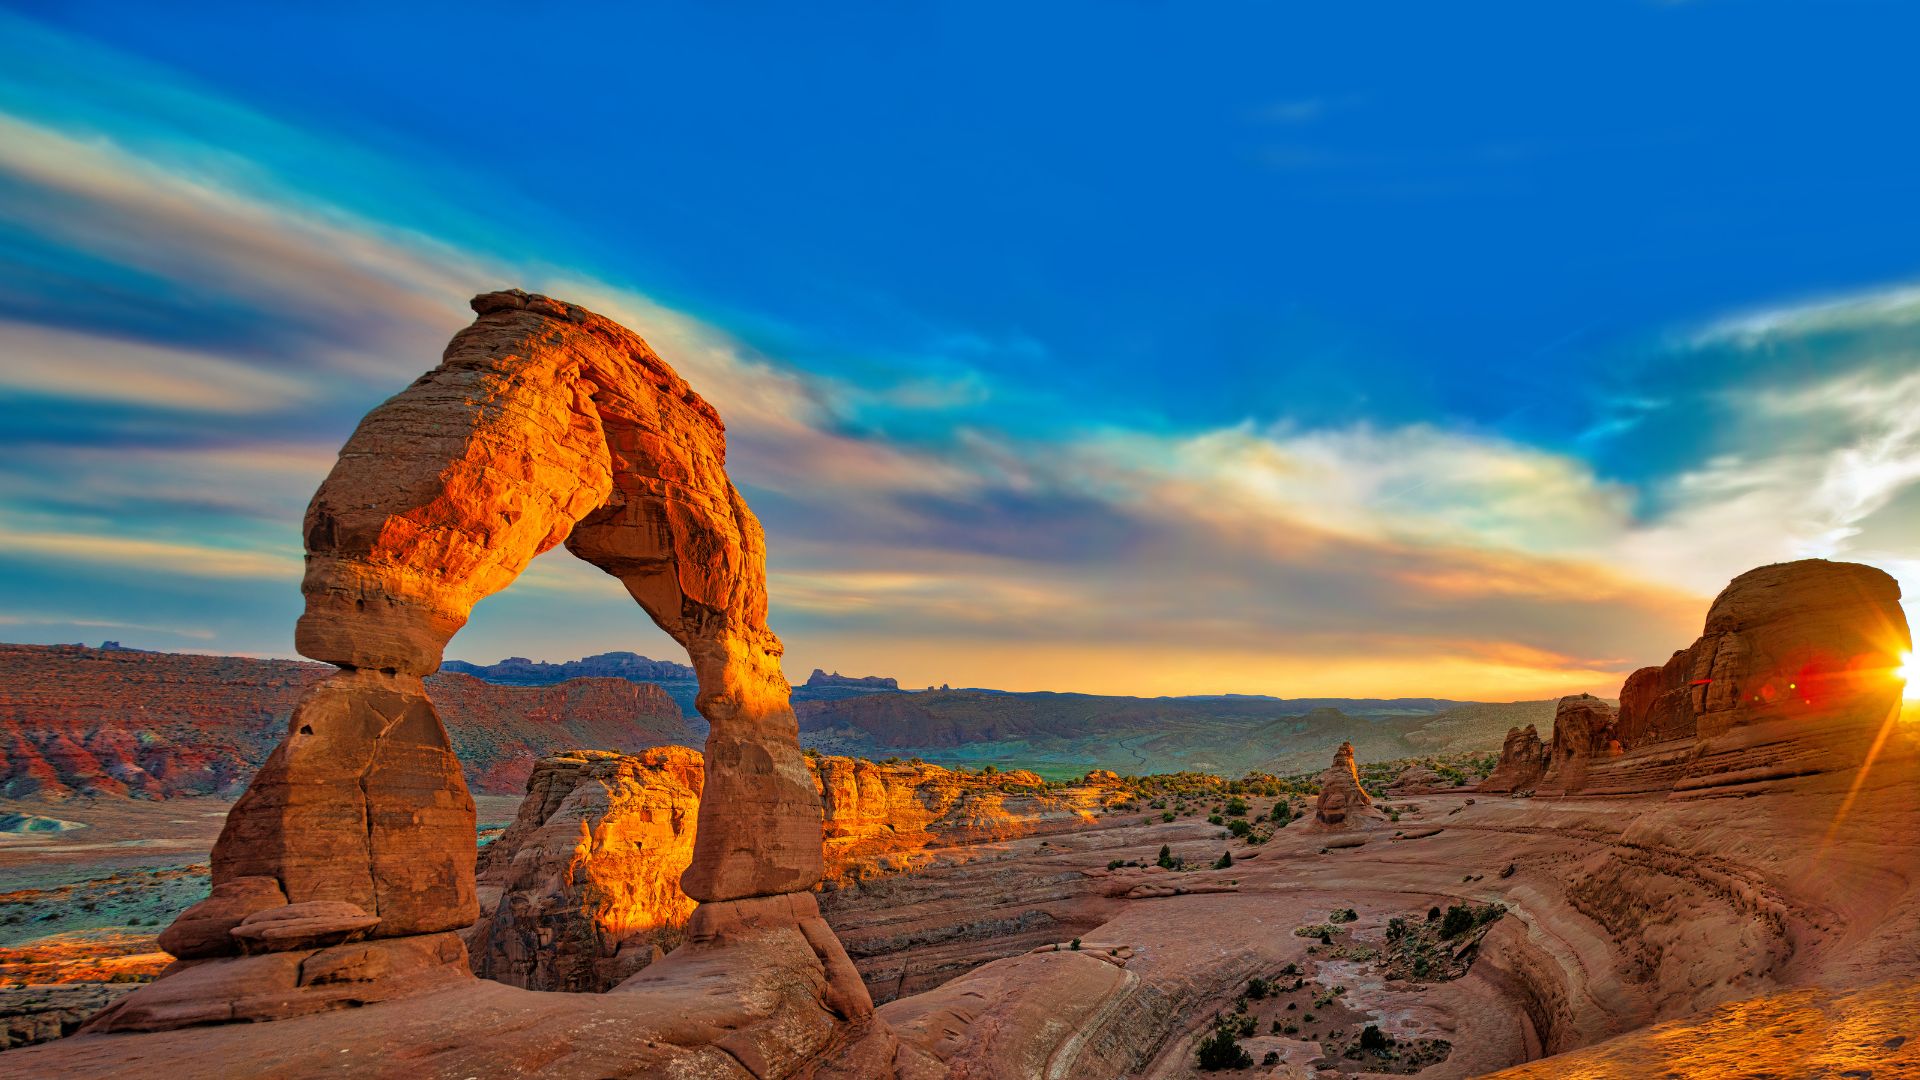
point(1909, 674)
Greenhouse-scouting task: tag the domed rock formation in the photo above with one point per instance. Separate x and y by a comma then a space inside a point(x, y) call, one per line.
point(543, 424)
point(1793, 676)
point(1343, 802)
point(1523, 761)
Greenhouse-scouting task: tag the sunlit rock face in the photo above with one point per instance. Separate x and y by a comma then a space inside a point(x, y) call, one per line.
point(576, 893)
point(583, 889)
point(1342, 801)
point(1794, 675)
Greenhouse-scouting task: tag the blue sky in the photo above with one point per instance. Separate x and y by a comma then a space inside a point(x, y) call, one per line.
point(1370, 349)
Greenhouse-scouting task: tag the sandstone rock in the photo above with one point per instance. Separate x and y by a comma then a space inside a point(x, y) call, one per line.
point(1523, 761)
point(543, 423)
point(1793, 676)
point(1584, 728)
point(1417, 780)
point(205, 929)
point(585, 884)
point(582, 887)
point(1342, 801)
point(313, 924)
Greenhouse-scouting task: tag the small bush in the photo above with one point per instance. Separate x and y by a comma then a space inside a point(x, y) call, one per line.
point(1257, 988)
point(1225, 860)
point(1433, 913)
point(1166, 815)
point(1459, 920)
point(1372, 1038)
point(1076, 944)
point(1216, 819)
point(1236, 807)
point(1218, 1051)
point(1272, 1058)
point(1166, 857)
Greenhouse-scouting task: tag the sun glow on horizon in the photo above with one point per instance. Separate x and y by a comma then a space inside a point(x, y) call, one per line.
point(1905, 673)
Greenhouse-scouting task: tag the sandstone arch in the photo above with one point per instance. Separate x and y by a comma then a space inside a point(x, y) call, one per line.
point(349, 860)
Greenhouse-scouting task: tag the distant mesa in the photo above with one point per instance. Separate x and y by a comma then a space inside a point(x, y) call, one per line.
point(873, 682)
point(518, 670)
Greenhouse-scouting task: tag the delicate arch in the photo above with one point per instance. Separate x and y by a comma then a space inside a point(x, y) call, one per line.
point(544, 423)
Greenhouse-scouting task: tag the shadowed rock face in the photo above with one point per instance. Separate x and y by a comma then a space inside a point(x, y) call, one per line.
point(1523, 761)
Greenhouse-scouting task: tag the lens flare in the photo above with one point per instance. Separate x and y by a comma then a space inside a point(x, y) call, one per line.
point(1907, 673)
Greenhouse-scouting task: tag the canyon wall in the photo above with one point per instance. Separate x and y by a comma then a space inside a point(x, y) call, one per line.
point(582, 890)
point(87, 722)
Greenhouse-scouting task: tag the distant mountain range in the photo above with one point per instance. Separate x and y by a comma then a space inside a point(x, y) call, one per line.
point(677, 680)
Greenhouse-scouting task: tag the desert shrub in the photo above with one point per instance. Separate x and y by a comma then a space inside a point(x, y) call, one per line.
point(1239, 827)
point(1166, 815)
point(1115, 864)
point(1372, 1038)
point(1236, 807)
point(1257, 988)
point(1433, 913)
point(1076, 944)
point(1282, 812)
point(1218, 1051)
point(1459, 920)
point(1272, 1058)
point(1344, 915)
point(1396, 928)
point(1166, 857)
point(1225, 860)
point(1216, 819)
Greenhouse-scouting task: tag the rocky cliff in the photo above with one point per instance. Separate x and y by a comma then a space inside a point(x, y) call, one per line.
point(1794, 675)
point(583, 889)
point(122, 722)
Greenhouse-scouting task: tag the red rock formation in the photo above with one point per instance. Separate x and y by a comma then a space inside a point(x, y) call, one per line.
point(544, 423)
point(156, 725)
point(1343, 802)
point(575, 894)
point(1793, 676)
point(584, 886)
point(1523, 761)
point(1417, 780)
point(1584, 728)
